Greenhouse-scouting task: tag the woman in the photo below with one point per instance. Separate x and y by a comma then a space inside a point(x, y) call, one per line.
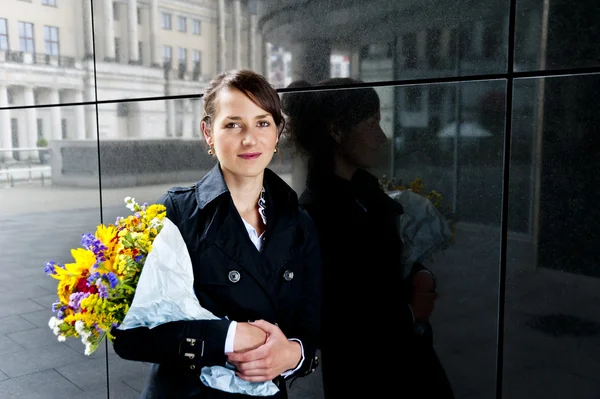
point(254, 252)
point(363, 281)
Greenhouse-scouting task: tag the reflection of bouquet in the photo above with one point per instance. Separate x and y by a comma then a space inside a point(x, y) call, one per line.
point(115, 280)
point(427, 224)
point(95, 292)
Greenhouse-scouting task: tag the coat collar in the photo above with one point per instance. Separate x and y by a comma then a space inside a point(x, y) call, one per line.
point(282, 201)
point(210, 187)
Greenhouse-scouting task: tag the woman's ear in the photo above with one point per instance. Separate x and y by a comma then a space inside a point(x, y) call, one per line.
point(207, 133)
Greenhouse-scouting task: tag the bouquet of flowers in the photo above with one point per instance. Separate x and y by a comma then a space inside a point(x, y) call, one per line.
point(113, 282)
point(427, 224)
point(96, 290)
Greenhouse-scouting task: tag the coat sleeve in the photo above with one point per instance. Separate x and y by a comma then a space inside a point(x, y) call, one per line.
point(307, 321)
point(193, 343)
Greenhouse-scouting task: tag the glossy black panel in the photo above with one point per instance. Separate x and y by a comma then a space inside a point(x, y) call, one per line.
point(552, 331)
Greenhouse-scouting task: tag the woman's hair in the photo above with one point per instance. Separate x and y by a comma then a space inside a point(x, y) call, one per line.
point(253, 85)
point(314, 113)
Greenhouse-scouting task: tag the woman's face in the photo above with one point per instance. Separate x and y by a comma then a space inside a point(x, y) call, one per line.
point(243, 135)
point(362, 143)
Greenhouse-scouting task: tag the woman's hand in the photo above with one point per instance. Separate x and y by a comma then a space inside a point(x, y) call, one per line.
point(423, 295)
point(248, 337)
point(270, 360)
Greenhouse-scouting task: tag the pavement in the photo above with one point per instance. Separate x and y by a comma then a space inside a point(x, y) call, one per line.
point(551, 326)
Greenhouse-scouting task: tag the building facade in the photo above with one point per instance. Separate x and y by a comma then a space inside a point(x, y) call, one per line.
point(141, 48)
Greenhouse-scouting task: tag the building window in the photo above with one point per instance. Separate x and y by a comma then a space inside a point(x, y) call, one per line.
point(433, 48)
point(141, 52)
point(51, 40)
point(196, 27)
point(412, 99)
point(182, 24)
point(492, 42)
point(123, 110)
point(3, 34)
point(26, 37)
point(64, 129)
point(166, 21)
point(117, 49)
point(116, 15)
point(409, 50)
point(182, 55)
point(40, 128)
point(167, 54)
point(49, 3)
point(139, 16)
point(197, 59)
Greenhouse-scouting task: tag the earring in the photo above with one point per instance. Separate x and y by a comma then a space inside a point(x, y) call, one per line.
point(275, 150)
point(210, 151)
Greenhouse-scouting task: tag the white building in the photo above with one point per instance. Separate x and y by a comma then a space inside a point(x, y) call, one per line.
point(143, 49)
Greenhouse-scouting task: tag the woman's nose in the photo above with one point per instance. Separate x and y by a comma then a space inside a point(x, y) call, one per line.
point(249, 137)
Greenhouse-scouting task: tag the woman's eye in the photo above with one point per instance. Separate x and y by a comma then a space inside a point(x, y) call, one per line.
point(264, 124)
point(232, 125)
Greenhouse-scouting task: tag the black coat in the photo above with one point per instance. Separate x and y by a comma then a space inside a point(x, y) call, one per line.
point(368, 330)
point(234, 280)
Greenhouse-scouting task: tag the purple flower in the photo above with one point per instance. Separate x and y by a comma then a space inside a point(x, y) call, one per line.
point(75, 299)
point(60, 314)
point(50, 266)
point(138, 258)
point(89, 242)
point(56, 306)
point(112, 279)
point(92, 279)
point(102, 290)
point(137, 215)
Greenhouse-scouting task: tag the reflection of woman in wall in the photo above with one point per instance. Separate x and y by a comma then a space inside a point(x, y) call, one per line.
point(369, 344)
point(254, 252)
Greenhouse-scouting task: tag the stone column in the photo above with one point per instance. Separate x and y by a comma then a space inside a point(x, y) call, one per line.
point(170, 104)
point(55, 116)
point(88, 40)
point(355, 63)
point(222, 44)
point(196, 118)
point(80, 125)
point(237, 33)
point(132, 30)
point(311, 60)
point(30, 136)
point(187, 119)
point(5, 128)
point(91, 129)
point(252, 50)
point(155, 51)
point(109, 32)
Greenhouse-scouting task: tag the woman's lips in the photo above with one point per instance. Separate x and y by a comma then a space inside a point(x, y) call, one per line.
point(250, 155)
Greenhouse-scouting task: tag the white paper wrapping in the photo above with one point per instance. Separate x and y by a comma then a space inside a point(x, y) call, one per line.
point(423, 229)
point(165, 293)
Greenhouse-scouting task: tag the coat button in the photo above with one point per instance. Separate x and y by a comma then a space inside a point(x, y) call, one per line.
point(288, 275)
point(234, 276)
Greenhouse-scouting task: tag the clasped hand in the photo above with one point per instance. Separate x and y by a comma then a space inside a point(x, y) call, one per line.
point(262, 351)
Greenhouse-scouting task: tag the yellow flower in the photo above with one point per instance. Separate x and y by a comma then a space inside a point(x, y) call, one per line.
point(107, 234)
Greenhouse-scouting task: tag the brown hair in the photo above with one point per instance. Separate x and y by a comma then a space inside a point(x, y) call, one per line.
point(312, 113)
point(253, 85)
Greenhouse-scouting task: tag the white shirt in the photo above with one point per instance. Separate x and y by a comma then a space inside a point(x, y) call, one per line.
point(258, 242)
